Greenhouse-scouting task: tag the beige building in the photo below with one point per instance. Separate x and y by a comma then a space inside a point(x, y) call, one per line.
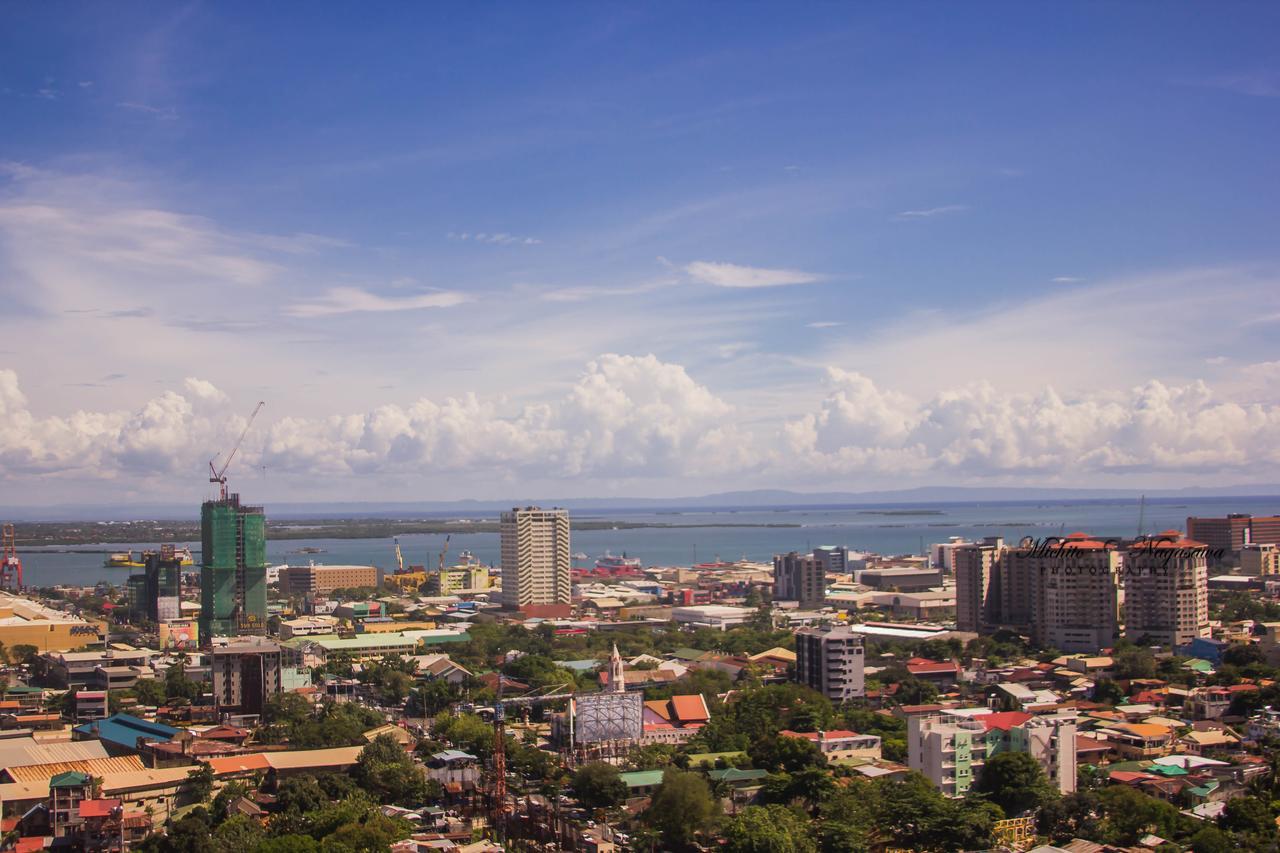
point(27, 622)
point(1260, 559)
point(1074, 588)
point(324, 580)
point(977, 566)
point(1166, 590)
point(535, 558)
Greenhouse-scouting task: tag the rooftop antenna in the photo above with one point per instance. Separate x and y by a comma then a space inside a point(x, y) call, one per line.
point(1142, 514)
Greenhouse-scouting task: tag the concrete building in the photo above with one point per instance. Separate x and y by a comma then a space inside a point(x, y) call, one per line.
point(157, 592)
point(801, 578)
point(535, 559)
point(246, 674)
point(1260, 559)
point(1166, 590)
point(834, 559)
point(1074, 587)
point(977, 571)
point(718, 616)
point(951, 749)
point(325, 580)
point(831, 662)
point(901, 578)
point(1227, 537)
point(233, 571)
point(26, 622)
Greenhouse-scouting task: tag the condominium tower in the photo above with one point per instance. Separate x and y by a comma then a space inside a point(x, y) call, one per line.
point(535, 558)
point(1166, 590)
point(801, 578)
point(831, 661)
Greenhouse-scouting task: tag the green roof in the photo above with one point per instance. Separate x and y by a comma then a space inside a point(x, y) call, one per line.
point(688, 653)
point(1199, 665)
point(1168, 770)
point(70, 779)
point(733, 774)
point(642, 778)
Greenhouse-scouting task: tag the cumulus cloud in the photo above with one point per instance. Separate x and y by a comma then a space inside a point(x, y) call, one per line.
point(350, 300)
point(977, 430)
point(625, 416)
point(735, 275)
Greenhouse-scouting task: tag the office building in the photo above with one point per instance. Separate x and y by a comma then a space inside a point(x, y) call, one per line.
point(323, 581)
point(157, 591)
point(977, 571)
point(800, 578)
point(1166, 590)
point(834, 559)
point(1227, 537)
point(233, 571)
point(831, 661)
point(535, 560)
point(1257, 559)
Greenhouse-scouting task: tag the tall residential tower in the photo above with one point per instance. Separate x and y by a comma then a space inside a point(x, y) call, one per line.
point(233, 569)
point(535, 559)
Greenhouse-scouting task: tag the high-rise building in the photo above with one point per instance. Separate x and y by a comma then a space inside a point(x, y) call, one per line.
point(1260, 560)
point(1166, 590)
point(834, 559)
point(1075, 591)
point(248, 672)
point(977, 570)
point(233, 570)
point(801, 578)
point(535, 558)
point(1227, 537)
point(324, 580)
point(157, 590)
point(831, 661)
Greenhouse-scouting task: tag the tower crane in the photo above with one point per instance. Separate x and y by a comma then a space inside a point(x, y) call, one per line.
point(553, 693)
point(443, 552)
point(219, 475)
point(10, 565)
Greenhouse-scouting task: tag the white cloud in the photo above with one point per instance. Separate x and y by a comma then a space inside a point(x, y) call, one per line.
point(928, 212)
point(735, 275)
point(824, 324)
point(158, 112)
point(500, 238)
point(1066, 279)
point(350, 300)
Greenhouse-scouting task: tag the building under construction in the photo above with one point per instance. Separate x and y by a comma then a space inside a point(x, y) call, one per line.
point(157, 591)
point(233, 570)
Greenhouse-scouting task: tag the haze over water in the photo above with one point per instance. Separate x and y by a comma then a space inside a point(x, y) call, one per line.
point(881, 529)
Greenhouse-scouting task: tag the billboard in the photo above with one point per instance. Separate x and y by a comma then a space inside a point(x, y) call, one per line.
point(599, 717)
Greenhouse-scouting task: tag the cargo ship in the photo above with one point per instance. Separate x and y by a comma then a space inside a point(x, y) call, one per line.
point(125, 559)
point(610, 566)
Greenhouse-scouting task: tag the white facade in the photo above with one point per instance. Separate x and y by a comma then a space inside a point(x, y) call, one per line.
point(535, 557)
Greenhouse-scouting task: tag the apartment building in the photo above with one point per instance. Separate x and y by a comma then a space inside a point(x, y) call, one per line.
point(535, 559)
point(1166, 586)
point(323, 581)
point(1075, 597)
point(951, 748)
point(1260, 559)
point(831, 661)
point(977, 571)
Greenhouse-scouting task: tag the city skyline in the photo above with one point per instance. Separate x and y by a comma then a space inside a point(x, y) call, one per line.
point(606, 251)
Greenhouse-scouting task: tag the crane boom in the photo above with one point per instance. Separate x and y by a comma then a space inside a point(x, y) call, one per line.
point(219, 475)
point(443, 552)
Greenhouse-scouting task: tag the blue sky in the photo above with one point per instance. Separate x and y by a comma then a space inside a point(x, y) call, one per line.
point(586, 249)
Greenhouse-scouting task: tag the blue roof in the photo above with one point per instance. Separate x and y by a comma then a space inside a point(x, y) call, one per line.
point(125, 729)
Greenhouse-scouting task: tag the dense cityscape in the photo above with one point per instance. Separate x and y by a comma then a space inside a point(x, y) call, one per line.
point(639, 427)
point(1086, 693)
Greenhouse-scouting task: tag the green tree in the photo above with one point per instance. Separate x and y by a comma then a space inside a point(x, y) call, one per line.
point(768, 829)
point(389, 774)
point(1210, 839)
point(1015, 782)
point(150, 692)
point(300, 794)
point(1107, 692)
point(238, 834)
point(200, 784)
point(681, 808)
point(598, 785)
point(785, 753)
point(1248, 815)
point(24, 653)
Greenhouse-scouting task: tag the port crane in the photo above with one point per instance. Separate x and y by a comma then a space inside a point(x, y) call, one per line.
point(399, 556)
point(219, 475)
point(10, 564)
point(443, 552)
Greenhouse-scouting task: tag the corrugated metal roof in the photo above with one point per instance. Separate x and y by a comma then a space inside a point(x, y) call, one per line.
point(22, 752)
point(94, 767)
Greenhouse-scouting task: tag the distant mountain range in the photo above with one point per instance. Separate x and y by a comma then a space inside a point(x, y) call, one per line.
point(721, 500)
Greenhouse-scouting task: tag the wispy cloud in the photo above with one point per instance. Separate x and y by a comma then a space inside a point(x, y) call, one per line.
point(500, 238)
point(736, 275)
point(1066, 279)
point(824, 324)
point(928, 212)
point(587, 292)
point(351, 300)
point(1257, 84)
point(158, 112)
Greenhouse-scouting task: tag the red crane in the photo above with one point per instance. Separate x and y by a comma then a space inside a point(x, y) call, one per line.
point(10, 565)
point(219, 475)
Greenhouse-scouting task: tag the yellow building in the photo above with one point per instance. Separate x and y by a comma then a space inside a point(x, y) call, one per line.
point(27, 622)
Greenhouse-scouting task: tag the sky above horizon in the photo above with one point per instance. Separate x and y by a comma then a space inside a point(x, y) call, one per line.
point(596, 249)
